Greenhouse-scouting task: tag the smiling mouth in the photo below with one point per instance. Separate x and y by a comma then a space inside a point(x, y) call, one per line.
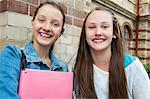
point(98, 40)
point(46, 35)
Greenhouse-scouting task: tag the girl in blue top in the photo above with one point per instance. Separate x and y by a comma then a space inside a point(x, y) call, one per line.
point(47, 27)
point(102, 69)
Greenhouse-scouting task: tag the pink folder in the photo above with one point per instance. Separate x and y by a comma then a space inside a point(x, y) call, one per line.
point(42, 84)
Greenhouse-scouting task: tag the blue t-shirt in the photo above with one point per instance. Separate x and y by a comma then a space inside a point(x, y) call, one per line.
point(10, 67)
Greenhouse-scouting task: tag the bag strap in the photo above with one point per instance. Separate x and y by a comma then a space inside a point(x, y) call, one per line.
point(23, 62)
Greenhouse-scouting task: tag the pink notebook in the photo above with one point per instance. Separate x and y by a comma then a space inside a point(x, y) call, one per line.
point(42, 84)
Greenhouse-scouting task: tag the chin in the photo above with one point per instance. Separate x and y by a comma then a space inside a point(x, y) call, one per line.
point(100, 48)
point(44, 43)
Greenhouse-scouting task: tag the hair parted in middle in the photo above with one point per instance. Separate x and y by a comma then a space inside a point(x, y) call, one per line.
point(55, 5)
point(84, 64)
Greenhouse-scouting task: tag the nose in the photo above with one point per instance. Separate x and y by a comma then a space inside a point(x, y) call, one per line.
point(98, 31)
point(47, 27)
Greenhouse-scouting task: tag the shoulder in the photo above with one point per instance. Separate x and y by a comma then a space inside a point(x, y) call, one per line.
point(10, 55)
point(135, 67)
point(133, 62)
point(137, 77)
point(9, 71)
point(58, 62)
point(10, 60)
point(11, 51)
point(128, 59)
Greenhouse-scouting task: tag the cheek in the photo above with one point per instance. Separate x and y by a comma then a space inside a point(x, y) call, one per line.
point(89, 34)
point(59, 35)
point(58, 31)
point(36, 25)
point(110, 33)
point(88, 38)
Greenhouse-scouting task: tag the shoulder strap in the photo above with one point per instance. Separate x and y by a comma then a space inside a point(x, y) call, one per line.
point(23, 62)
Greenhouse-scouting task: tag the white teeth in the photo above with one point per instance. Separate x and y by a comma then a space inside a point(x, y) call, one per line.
point(98, 40)
point(45, 35)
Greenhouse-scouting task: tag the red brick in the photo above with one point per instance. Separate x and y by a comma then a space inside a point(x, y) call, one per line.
point(32, 10)
point(76, 13)
point(17, 6)
point(3, 5)
point(78, 22)
point(79, 14)
point(69, 20)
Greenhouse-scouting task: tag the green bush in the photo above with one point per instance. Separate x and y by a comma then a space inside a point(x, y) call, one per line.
point(147, 67)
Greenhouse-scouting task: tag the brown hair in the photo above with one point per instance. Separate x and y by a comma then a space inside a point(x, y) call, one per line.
point(55, 5)
point(84, 65)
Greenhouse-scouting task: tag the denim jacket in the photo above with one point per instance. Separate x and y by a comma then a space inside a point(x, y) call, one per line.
point(10, 67)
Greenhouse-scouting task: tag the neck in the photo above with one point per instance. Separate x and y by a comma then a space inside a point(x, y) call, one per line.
point(43, 51)
point(101, 59)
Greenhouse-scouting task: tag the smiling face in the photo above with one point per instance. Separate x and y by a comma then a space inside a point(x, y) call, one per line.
point(47, 25)
point(99, 30)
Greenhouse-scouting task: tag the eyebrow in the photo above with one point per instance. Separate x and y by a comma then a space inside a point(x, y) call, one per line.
point(92, 23)
point(54, 19)
point(105, 22)
point(41, 16)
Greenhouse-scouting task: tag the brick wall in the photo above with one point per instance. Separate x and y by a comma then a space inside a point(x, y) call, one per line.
point(144, 32)
point(15, 24)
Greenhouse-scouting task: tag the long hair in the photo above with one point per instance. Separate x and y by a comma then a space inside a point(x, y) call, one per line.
point(84, 65)
point(55, 5)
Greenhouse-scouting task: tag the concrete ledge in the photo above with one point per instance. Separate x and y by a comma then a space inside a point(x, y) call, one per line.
point(19, 20)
